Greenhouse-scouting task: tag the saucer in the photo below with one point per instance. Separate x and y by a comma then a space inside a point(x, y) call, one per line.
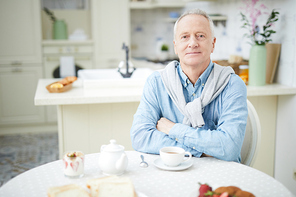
point(140, 194)
point(184, 165)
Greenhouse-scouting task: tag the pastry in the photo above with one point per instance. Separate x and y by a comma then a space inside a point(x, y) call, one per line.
point(56, 85)
point(71, 79)
point(70, 190)
point(111, 186)
point(231, 190)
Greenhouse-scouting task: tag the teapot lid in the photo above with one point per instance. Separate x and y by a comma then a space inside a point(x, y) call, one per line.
point(113, 147)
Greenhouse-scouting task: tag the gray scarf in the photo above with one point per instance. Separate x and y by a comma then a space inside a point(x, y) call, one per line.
point(192, 111)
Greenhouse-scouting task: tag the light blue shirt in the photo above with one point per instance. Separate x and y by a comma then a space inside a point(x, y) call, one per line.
point(225, 119)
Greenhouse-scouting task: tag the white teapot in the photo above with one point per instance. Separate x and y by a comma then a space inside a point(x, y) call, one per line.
point(113, 160)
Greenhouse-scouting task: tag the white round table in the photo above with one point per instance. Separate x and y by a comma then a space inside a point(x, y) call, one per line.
point(151, 181)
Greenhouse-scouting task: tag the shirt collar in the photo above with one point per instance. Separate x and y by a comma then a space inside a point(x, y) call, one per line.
point(203, 77)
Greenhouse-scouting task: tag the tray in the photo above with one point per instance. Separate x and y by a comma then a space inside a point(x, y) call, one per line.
point(58, 90)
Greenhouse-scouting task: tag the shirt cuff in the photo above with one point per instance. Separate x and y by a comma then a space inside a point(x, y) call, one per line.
point(177, 133)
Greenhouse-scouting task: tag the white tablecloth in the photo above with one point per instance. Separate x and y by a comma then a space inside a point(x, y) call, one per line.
point(151, 181)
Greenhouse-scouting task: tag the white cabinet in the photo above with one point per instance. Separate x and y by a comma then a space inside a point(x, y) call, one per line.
point(111, 28)
point(20, 61)
point(20, 32)
point(17, 90)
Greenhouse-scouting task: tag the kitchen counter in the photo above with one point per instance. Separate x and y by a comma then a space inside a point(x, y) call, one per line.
point(79, 95)
point(114, 94)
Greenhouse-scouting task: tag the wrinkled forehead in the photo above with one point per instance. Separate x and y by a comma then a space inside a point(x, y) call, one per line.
point(193, 22)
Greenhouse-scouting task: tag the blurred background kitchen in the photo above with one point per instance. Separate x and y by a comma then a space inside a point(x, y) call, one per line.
point(92, 33)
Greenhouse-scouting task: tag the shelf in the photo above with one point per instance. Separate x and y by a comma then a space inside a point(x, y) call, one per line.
point(170, 5)
point(141, 5)
point(270, 90)
point(151, 5)
point(66, 42)
point(214, 18)
point(218, 18)
point(197, 0)
point(170, 20)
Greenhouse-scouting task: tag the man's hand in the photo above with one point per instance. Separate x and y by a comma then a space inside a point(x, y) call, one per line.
point(164, 125)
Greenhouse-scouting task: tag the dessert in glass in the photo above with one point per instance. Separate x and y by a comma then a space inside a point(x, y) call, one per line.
point(73, 164)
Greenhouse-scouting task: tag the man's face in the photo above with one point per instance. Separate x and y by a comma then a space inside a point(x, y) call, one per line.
point(193, 41)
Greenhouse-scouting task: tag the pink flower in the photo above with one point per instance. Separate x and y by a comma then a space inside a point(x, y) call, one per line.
point(254, 13)
point(262, 6)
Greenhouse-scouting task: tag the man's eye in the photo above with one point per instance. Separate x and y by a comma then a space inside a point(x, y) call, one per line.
point(201, 36)
point(184, 37)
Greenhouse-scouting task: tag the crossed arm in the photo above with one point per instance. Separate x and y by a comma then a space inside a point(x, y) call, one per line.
point(158, 124)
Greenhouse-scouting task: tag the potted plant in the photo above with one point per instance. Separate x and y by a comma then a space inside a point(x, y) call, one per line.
point(164, 52)
point(257, 60)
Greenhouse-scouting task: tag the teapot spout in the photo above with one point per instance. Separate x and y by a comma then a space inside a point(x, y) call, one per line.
point(121, 162)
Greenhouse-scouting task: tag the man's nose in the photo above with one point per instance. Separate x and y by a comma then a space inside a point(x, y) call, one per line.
point(193, 42)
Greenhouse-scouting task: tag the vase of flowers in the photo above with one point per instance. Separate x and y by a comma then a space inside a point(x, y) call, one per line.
point(59, 29)
point(257, 60)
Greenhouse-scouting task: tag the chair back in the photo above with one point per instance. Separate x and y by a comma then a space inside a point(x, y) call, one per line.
point(252, 138)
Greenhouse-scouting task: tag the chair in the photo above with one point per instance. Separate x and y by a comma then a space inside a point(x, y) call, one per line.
point(252, 138)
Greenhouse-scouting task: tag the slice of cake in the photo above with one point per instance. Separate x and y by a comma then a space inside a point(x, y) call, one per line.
point(71, 190)
point(111, 186)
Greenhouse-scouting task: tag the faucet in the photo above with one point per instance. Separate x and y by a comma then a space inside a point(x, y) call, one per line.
point(127, 74)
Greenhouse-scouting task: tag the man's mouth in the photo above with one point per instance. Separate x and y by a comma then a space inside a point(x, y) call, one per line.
point(193, 53)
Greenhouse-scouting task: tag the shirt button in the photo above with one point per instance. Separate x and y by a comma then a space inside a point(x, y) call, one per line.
point(176, 139)
point(193, 94)
point(193, 147)
point(203, 84)
point(188, 81)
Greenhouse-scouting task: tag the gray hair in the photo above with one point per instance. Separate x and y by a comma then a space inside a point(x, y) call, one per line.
point(197, 12)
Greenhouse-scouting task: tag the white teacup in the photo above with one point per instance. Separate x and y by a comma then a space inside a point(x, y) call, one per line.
point(173, 156)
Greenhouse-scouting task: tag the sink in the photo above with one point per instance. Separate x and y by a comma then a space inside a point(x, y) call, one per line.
point(106, 78)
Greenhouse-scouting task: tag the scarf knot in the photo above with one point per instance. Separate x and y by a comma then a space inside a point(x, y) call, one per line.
point(192, 111)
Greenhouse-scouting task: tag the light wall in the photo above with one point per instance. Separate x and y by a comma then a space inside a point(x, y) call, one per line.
point(149, 24)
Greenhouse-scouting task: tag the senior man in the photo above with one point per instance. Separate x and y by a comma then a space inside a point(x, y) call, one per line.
point(194, 104)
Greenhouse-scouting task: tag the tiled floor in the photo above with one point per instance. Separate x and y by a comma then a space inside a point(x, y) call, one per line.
point(21, 152)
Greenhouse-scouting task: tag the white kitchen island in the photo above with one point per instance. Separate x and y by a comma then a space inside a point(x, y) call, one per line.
point(90, 117)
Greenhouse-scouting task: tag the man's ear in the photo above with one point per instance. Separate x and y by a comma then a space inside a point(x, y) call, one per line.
point(175, 47)
point(213, 43)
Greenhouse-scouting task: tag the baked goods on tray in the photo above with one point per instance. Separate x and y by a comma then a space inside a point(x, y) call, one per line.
point(63, 85)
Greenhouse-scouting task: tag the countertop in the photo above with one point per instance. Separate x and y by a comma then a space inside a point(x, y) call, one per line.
point(80, 95)
point(121, 94)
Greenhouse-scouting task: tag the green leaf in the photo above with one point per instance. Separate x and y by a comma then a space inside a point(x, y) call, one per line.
point(209, 193)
